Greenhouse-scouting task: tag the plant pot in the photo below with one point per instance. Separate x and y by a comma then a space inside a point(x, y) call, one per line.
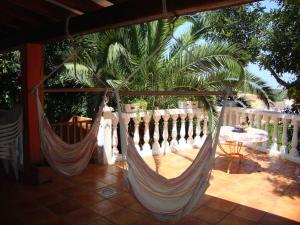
point(131, 108)
point(188, 104)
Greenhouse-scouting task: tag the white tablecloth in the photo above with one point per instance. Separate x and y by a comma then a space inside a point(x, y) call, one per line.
point(252, 135)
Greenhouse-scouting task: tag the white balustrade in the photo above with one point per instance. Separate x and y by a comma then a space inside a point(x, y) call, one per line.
point(270, 121)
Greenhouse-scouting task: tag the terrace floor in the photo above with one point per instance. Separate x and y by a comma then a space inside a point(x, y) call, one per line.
point(261, 190)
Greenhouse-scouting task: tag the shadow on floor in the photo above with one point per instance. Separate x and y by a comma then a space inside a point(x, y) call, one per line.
point(76, 201)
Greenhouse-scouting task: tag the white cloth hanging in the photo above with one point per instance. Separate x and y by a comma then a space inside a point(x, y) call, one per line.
point(68, 159)
point(171, 199)
point(11, 139)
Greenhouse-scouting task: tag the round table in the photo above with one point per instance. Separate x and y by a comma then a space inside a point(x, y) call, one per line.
point(235, 141)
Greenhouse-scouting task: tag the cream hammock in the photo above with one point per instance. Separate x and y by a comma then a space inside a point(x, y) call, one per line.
point(68, 159)
point(170, 199)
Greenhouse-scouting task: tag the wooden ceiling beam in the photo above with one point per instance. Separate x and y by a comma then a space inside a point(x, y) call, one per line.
point(66, 7)
point(82, 5)
point(42, 8)
point(123, 14)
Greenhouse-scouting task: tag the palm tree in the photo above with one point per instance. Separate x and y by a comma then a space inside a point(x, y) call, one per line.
point(179, 63)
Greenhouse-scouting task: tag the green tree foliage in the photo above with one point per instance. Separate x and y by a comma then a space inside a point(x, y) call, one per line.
point(181, 64)
point(10, 79)
point(270, 36)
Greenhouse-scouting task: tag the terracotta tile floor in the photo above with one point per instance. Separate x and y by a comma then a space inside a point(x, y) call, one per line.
point(261, 190)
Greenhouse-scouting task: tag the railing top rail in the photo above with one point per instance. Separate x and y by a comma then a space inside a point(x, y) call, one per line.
point(162, 112)
point(266, 112)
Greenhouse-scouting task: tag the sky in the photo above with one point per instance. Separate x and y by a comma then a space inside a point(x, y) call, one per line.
point(252, 68)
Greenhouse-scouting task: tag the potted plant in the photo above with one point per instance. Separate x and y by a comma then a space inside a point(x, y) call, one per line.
point(135, 105)
point(188, 104)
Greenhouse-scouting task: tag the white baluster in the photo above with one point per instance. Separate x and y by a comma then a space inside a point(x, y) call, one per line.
point(225, 118)
point(190, 139)
point(197, 140)
point(126, 121)
point(136, 135)
point(165, 144)
point(182, 141)
point(267, 122)
point(274, 146)
point(258, 121)
point(126, 124)
point(243, 118)
point(230, 116)
point(283, 148)
point(115, 121)
point(146, 145)
point(205, 126)
point(250, 116)
point(237, 118)
point(174, 143)
point(294, 151)
point(156, 146)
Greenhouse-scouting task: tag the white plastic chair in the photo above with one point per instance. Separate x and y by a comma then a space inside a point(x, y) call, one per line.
point(11, 139)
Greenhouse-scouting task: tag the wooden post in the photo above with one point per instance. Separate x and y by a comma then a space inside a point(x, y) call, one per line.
point(32, 69)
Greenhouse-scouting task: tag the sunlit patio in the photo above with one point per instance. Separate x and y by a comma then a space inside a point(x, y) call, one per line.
point(260, 190)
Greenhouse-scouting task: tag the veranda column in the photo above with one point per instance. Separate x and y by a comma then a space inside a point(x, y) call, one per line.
point(32, 70)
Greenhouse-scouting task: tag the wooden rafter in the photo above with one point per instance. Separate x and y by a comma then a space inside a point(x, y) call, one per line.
point(64, 6)
point(121, 14)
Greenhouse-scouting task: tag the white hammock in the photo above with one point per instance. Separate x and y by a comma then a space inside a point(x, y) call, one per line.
point(11, 141)
point(171, 199)
point(68, 159)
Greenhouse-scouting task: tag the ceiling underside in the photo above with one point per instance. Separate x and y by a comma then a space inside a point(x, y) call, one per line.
point(23, 21)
